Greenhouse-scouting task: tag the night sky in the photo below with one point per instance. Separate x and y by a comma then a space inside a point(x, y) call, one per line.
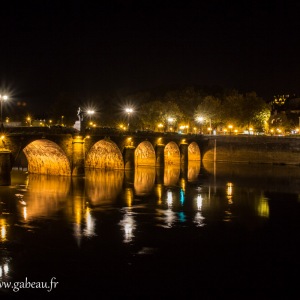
point(52, 47)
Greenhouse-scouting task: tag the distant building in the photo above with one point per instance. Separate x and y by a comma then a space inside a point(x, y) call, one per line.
point(12, 124)
point(286, 110)
point(286, 103)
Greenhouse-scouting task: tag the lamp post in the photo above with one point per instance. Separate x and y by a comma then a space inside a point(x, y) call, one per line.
point(2, 98)
point(129, 111)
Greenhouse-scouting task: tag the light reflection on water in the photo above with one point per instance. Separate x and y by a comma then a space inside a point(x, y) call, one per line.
point(113, 207)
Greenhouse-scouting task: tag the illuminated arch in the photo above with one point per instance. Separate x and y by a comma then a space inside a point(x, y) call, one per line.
point(46, 157)
point(194, 152)
point(145, 154)
point(172, 154)
point(104, 154)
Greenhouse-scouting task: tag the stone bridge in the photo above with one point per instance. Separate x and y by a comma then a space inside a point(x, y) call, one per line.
point(63, 151)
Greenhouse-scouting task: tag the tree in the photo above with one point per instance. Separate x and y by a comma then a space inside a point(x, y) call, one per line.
point(210, 110)
point(155, 112)
point(254, 110)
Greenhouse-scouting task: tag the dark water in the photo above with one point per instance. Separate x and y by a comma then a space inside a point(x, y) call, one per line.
point(215, 232)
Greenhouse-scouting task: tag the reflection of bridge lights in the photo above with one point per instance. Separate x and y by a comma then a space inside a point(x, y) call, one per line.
point(128, 226)
point(129, 196)
point(181, 217)
point(169, 198)
point(182, 196)
point(4, 270)
point(183, 184)
point(199, 219)
point(229, 192)
point(3, 229)
point(199, 202)
point(77, 233)
point(170, 218)
point(128, 230)
point(25, 213)
point(263, 207)
point(229, 188)
point(89, 223)
point(159, 189)
point(3, 233)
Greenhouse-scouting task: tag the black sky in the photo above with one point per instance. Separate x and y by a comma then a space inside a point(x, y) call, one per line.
point(87, 47)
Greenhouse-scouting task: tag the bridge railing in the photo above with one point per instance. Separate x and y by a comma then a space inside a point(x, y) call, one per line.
point(39, 129)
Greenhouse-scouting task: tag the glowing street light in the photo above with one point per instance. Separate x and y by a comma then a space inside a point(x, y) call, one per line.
point(200, 120)
point(170, 122)
point(160, 126)
point(28, 119)
point(90, 113)
point(129, 111)
point(2, 98)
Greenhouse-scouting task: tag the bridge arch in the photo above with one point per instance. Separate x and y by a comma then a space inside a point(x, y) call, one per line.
point(145, 154)
point(172, 154)
point(105, 154)
point(46, 157)
point(194, 152)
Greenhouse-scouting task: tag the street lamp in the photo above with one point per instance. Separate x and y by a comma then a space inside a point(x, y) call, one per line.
point(200, 120)
point(170, 121)
point(2, 98)
point(28, 121)
point(90, 113)
point(129, 111)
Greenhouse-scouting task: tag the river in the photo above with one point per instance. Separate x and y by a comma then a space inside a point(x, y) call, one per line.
point(215, 231)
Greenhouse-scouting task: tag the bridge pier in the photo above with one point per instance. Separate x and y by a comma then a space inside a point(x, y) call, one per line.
point(160, 155)
point(184, 159)
point(128, 157)
point(78, 167)
point(5, 167)
point(184, 154)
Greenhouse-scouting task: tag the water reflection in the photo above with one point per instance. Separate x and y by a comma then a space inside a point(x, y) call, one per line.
point(280, 178)
point(171, 175)
point(144, 179)
point(103, 186)
point(167, 217)
point(128, 224)
point(81, 215)
point(263, 209)
point(42, 196)
point(109, 211)
point(171, 212)
point(4, 271)
point(193, 170)
point(3, 228)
